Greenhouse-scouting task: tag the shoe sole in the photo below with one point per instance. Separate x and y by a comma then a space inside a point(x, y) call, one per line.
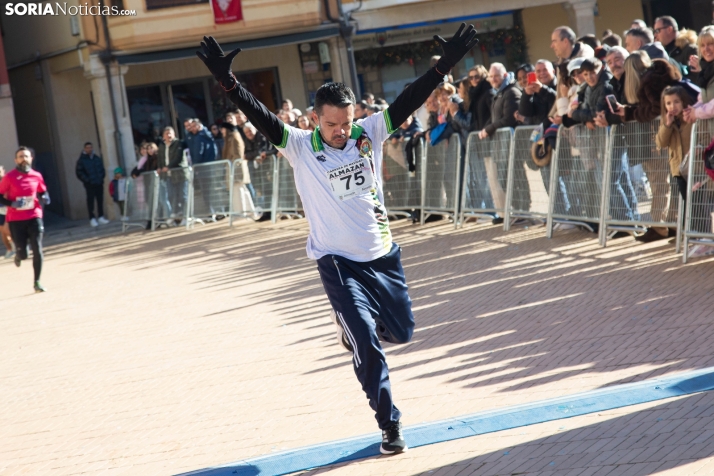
point(395, 452)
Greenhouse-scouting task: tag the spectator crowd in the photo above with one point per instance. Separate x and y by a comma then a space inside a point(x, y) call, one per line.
point(644, 74)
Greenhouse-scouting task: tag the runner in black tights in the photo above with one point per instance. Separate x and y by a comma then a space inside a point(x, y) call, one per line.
point(23, 191)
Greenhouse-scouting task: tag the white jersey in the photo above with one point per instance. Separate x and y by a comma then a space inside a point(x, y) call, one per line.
point(341, 189)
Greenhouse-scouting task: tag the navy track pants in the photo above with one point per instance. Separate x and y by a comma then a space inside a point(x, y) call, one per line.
point(372, 302)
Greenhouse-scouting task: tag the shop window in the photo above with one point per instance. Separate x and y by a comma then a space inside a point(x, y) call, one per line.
point(156, 4)
point(189, 102)
point(148, 115)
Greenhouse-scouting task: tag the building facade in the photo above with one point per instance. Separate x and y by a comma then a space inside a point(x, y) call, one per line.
point(118, 80)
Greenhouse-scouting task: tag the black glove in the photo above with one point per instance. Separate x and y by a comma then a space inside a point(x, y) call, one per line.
point(455, 48)
point(217, 62)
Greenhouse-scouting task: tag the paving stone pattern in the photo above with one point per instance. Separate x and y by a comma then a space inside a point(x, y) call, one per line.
point(160, 353)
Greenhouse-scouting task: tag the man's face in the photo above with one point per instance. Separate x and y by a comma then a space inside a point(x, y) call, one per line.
point(495, 77)
point(23, 158)
point(240, 119)
point(88, 149)
point(187, 125)
point(335, 124)
point(632, 43)
point(287, 106)
point(169, 135)
point(249, 133)
point(590, 77)
point(616, 63)
point(664, 34)
point(359, 111)
point(544, 74)
point(561, 48)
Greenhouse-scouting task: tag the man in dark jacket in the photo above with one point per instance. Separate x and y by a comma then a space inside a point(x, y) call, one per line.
point(173, 163)
point(505, 105)
point(203, 146)
point(90, 171)
point(538, 98)
point(665, 31)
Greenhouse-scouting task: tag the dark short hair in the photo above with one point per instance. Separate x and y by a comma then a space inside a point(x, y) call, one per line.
point(645, 34)
point(668, 21)
point(87, 143)
point(333, 94)
point(590, 64)
point(526, 68)
point(22, 147)
point(612, 40)
point(368, 95)
point(363, 104)
point(590, 40)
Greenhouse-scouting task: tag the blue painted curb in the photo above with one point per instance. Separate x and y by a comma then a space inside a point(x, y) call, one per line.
point(471, 425)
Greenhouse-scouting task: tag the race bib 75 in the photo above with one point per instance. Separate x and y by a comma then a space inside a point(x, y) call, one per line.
point(351, 180)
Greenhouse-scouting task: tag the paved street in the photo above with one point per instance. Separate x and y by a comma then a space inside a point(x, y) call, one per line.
point(161, 353)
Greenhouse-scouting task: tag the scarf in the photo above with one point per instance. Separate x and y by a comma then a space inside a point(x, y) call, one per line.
point(706, 74)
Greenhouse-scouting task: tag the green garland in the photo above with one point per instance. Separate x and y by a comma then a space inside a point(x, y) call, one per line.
point(512, 40)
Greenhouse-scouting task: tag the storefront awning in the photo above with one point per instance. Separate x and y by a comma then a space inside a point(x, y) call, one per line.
point(182, 53)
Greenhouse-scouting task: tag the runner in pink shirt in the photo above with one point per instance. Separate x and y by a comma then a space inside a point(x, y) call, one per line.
point(24, 192)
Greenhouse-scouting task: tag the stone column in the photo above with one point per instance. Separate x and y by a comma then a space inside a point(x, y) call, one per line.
point(338, 54)
point(95, 72)
point(581, 16)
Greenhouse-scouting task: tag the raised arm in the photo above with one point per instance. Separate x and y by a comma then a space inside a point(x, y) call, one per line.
point(219, 64)
point(414, 96)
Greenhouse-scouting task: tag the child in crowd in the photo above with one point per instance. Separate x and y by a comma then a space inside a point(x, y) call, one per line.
point(117, 188)
point(675, 134)
point(4, 227)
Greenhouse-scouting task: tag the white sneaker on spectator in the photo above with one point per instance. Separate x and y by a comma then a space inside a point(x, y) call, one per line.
point(698, 251)
point(93, 223)
point(103, 221)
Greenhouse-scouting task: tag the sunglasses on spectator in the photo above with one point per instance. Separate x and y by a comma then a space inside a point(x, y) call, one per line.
point(657, 30)
point(472, 77)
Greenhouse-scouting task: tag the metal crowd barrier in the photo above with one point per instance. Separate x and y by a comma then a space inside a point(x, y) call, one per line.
point(652, 200)
point(440, 179)
point(141, 201)
point(577, 162)
point(241, 199)
point(485, 175)
point(210, 190)
point(528, 184)
point(401, 188)
point(173, 197)
point(286, 201)
point(698, 227)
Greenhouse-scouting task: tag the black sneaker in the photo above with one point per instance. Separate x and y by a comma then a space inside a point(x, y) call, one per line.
point(497, 221)
point(39, 288)
point(393, 440)
point(18, 260)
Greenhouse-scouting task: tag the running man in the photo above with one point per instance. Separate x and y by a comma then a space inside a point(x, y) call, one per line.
point(23, 191)
point(336, 176)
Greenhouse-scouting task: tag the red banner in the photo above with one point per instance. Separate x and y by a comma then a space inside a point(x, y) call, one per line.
point(226, 11)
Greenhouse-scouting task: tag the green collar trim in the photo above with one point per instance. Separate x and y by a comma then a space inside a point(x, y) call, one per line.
point(316, 139)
